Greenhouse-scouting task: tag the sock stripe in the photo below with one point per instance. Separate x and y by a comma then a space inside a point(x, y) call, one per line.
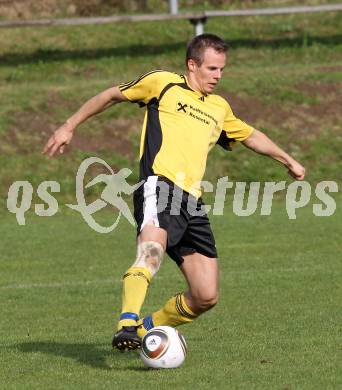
point(129, 316)
point(148, 322)
point(181, 309)
point(141, 274)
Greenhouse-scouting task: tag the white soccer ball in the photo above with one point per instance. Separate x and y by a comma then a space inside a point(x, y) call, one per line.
point(163, 347)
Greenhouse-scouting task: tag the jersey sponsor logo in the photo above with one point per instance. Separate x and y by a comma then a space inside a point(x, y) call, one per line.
point(199, 118)
point(195, 112)
point(182, 107)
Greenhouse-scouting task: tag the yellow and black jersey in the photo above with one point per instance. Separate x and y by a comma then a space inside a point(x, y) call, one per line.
point(180, 127)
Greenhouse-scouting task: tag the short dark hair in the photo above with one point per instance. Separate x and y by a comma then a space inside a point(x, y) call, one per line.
point(198, 44)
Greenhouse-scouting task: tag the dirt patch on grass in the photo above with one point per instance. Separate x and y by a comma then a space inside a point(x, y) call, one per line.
point(311, 120)
point(254, 111)
point(305, 122)
point(32, 130)
point(114, 136)
point(332, 68)
point(322, 91)
point(27, 135)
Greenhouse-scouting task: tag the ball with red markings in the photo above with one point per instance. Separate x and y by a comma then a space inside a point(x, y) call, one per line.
point(163, 347)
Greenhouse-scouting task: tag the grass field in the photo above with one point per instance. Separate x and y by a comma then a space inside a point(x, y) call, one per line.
point(277, 325)
point(283, 76)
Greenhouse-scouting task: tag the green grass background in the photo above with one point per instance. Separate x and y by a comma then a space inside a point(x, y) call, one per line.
point(46, 73)
point(278, 323)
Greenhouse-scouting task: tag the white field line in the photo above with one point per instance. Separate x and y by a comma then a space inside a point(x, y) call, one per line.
point(85, 283)
point(104, 282)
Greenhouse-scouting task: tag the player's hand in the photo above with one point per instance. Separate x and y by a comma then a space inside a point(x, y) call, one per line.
point(58, 141)
point(296, 170)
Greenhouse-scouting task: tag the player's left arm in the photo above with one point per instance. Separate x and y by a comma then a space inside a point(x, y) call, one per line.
point(260, 143)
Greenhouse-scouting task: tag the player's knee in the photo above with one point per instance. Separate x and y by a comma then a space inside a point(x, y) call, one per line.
point(149, 255)
point(206, 301)
point(209, 302)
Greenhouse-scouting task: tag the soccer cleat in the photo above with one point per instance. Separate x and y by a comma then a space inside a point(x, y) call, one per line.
point(126, 338)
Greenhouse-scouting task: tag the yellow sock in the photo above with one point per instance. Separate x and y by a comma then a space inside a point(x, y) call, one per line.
point(175, 312)
point(135, 284)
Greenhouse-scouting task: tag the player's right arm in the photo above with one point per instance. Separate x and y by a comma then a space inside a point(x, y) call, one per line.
point(63, 135)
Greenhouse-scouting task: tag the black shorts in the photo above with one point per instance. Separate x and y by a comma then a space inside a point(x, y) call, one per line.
point(179, 213)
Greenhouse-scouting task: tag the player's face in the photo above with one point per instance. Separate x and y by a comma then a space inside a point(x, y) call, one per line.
point(205, 77)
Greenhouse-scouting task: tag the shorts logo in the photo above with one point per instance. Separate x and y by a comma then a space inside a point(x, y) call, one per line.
point(182, 108)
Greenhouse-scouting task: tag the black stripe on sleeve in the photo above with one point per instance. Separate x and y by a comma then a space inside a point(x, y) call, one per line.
point(124, 86)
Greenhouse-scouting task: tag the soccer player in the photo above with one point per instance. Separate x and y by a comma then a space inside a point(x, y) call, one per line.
point(183, 121)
